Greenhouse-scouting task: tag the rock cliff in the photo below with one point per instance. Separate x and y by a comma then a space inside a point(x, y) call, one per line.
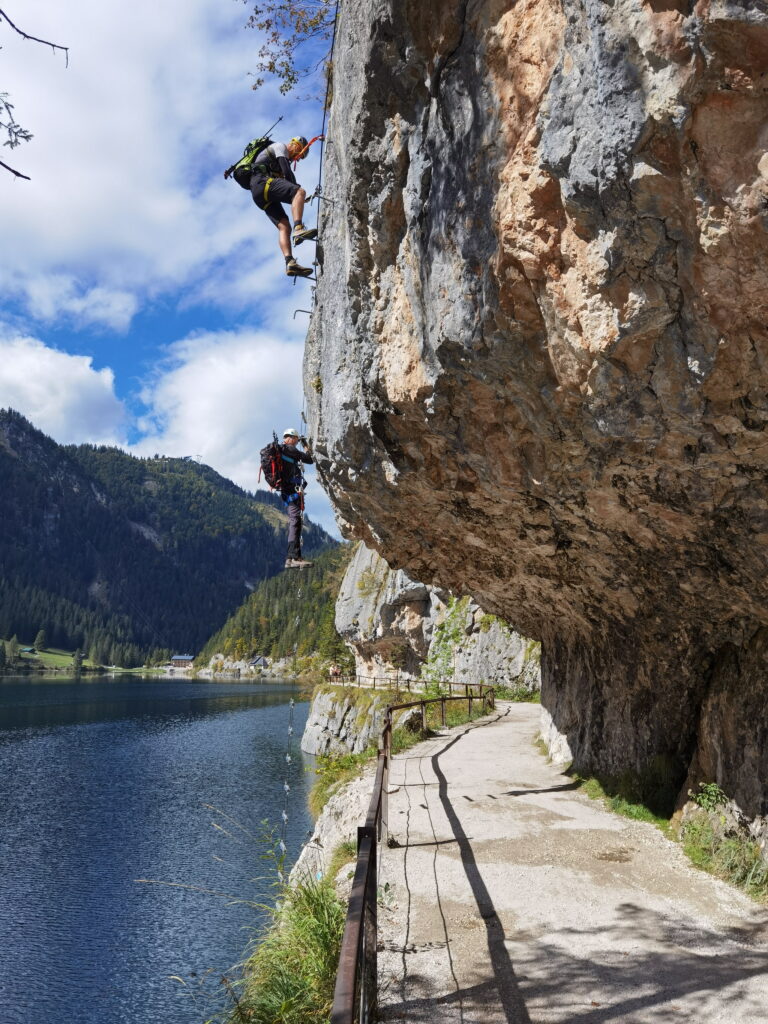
point(537, 368)
point(343, 721)
point(397, 627)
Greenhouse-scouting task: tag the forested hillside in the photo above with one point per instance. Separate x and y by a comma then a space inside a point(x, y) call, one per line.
point(293, 613)
point(118, 555)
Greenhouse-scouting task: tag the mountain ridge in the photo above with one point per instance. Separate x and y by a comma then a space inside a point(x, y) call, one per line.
point(120, 555)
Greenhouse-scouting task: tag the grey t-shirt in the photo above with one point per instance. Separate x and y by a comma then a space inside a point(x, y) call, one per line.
point(276, 158)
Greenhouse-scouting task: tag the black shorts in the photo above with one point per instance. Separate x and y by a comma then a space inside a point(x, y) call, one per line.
point(280, 191)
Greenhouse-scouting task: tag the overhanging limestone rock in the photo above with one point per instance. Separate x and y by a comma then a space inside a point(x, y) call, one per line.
point(539, 353)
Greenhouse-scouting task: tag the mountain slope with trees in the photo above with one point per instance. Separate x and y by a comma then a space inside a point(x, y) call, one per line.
point(293, 613)
point(120, 556)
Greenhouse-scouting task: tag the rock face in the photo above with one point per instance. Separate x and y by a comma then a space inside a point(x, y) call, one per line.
point(337, 824)
point(343, 722)
point(398, 627)
point(537, 367)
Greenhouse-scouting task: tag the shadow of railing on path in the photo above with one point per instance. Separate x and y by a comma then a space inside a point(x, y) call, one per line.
point(507, 988)
point(355, 996)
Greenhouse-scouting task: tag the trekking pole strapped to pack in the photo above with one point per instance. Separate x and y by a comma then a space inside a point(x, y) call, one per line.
point(243, 169)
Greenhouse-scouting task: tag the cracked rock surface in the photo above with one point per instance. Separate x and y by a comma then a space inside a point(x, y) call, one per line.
point(539, 361)
point(398, 627)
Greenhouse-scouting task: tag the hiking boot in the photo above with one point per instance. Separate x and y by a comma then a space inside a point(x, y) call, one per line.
point(293, 269)
point(302, 234)
point(300, 563)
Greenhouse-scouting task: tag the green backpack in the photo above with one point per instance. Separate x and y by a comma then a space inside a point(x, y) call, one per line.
point(243, 169)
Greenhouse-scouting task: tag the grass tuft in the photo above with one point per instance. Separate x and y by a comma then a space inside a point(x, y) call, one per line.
point(332, 773)
point(734, 858)
point(342, 854)
point(610, 793)
point(521, 694)
point(290, 977)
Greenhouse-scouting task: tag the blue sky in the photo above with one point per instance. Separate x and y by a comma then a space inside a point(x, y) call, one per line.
point(143, 299)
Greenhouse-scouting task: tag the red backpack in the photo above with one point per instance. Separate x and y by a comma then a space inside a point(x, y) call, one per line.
point(271, 464)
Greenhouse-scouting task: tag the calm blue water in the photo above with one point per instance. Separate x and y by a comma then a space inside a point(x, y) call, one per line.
point(103, 782)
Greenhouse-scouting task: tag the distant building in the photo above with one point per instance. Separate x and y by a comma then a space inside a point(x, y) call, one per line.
point(259, 662)
point(182, 660)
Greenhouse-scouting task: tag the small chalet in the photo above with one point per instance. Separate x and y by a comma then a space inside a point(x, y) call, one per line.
point(182, 660)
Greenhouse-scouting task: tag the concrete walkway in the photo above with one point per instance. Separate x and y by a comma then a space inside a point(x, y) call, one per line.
point(514, 898)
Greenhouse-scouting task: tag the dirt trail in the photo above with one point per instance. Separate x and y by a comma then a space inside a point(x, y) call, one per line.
point(518, 899)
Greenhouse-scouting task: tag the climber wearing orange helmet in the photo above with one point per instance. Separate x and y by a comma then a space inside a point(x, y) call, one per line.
point(272, 183)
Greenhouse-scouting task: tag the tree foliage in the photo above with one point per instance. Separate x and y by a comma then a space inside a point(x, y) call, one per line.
point(293, 613)
point(297, 38)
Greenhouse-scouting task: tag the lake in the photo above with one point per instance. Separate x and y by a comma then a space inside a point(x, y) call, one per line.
point(107, 781)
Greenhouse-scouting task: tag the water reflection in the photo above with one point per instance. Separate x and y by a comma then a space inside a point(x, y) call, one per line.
point(103, 782)
point(39, 702)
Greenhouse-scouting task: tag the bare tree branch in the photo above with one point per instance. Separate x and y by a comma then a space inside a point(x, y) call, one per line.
point(15, 132)
point(34, 39)
point(17, 173)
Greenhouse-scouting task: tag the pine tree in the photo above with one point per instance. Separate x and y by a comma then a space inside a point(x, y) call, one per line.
point(40, 640)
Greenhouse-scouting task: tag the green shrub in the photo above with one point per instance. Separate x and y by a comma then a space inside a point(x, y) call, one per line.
point(709, 796)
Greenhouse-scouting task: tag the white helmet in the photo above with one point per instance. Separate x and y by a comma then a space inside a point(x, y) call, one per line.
point(290, 432)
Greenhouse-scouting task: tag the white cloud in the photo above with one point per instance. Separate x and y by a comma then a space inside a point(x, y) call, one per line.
point(51, 296)
point(128, 212)
point(219, 396)
point(127, 199)
point(61, 394)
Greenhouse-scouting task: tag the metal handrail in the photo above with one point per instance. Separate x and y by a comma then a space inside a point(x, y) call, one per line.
point(354, 999)
point(388, 682)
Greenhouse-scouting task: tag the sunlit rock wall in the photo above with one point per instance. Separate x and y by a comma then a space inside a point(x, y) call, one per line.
point(536, 369)
point(402, 629)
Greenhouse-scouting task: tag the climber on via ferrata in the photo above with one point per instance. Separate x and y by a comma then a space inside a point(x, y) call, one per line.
point(281, 466)
point(265, 171)
point(292, 492)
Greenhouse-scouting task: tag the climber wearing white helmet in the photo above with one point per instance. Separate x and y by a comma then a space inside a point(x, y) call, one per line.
point(292, 492)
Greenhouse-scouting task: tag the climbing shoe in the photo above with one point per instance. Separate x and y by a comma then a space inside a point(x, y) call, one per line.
point(293, 269)
point(296, 563)
point(302, 234)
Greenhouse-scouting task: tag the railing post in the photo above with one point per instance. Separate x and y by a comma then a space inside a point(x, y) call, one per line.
point(370, 982)
point(442, 709)
point(470, 706)
point(423, 717)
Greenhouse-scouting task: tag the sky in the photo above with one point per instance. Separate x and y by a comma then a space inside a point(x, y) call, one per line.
point(143, 299)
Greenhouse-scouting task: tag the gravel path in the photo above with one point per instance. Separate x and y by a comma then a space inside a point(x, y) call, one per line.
point(515, 898)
